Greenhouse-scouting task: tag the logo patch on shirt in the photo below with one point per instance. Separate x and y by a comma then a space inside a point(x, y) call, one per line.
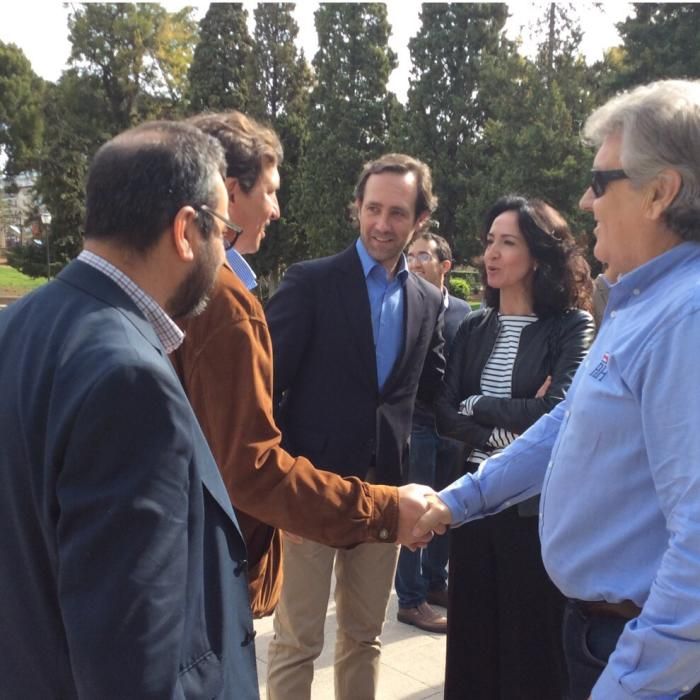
point(601, 369)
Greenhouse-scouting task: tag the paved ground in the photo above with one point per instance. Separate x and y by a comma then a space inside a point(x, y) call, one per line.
point(412, 665)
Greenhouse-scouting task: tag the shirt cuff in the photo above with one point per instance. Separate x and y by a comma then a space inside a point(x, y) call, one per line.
point(466, 408)
point(463, 499)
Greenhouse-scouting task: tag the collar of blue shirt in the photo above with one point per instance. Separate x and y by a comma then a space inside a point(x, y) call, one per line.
point(241, 267)
point(369, 264)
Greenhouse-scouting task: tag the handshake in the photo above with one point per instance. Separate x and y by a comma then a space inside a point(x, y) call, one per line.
point(421, 515)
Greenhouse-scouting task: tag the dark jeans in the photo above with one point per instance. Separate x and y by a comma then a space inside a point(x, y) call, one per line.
point(435, 462)
point(588, 642)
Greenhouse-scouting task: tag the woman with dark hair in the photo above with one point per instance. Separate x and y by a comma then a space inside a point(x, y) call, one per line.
point(511, 362)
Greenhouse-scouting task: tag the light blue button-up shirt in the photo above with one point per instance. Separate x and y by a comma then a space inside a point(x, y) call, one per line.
point(618, 465)
point(241, 267)
point(386, 301)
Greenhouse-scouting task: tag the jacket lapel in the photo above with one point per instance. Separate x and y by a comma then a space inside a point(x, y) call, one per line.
point(97, 284)
point(354, 304)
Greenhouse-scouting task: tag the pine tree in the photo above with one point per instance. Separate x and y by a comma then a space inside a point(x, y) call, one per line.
point(21, 119)
point(532, 142)
point(661, 40)
point(282, 83)
point(348, 118)
point(220, 75)
point(447, 111)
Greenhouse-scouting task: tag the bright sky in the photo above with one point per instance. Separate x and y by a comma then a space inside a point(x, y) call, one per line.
point(39, 28)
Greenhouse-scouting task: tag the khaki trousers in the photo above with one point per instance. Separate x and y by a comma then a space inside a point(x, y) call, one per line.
point(364, 576)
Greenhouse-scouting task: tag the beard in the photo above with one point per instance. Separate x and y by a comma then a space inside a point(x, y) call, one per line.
point(192, 295)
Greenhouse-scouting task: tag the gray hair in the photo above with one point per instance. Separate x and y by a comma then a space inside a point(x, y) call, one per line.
point(660, 128)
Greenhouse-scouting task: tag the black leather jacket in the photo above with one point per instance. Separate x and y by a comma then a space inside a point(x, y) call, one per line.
point(552, 346)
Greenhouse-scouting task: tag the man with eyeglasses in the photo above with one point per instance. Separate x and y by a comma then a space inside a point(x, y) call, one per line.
point(121, 561)
point(225, 365)
point(618, 461)
point(421, 575)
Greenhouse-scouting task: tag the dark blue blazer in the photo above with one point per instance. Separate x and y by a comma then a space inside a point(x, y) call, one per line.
point(330, 408)
point(122, 569)
point(456, 312)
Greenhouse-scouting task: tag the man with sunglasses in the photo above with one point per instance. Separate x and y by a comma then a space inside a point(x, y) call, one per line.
point(225, 365)
point(618, 461)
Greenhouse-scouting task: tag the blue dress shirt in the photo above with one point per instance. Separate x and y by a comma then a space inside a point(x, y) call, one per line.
point(386, 300)
point(240, 266)
point(618, 467)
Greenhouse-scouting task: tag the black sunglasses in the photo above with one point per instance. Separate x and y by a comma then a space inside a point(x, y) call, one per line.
point(600, 179)
point(237, 230)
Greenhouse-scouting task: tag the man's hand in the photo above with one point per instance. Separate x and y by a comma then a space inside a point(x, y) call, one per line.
point(413, 503)
point(435, 519)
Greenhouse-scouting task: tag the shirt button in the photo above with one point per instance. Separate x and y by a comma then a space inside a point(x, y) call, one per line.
point(507, 504)
point(567, 413)
point(384, 534)
point(636, 293)
point(613, 314)
point(549, 466)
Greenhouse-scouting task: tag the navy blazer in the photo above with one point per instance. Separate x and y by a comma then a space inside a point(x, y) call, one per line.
point(456, 312)
point(122, 569)
point(330, 408)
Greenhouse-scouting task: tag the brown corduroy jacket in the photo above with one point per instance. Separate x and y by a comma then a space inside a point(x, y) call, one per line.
point(225, 365)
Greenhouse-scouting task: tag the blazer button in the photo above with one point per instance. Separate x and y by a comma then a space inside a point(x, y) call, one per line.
point(249, 637)
point(240, 567)
point(384, 534)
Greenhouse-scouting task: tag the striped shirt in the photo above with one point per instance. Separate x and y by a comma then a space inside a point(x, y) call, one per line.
point(168, 333)
point(497, 379)
point(241, 267)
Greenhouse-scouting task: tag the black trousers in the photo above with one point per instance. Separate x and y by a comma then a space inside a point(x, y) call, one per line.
point(588, 642)
point(505, 615)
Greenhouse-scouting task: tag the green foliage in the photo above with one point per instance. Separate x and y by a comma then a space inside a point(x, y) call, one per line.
point(282, 80)
point(486, 119)
point(661, 40)
point(139, 54)
point(220, 77)
point(21, 123)
point(130, 64)
point(72, 137)
point(531, 141)
point(459, 287)
point(347, 121)
point(29, 260)
point(447, 110)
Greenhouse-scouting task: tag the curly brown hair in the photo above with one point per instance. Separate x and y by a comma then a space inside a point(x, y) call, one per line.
point(562, 279)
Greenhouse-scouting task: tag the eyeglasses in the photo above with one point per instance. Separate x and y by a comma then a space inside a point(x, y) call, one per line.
point(600, 179)
point(237, 230)
point(422, 257)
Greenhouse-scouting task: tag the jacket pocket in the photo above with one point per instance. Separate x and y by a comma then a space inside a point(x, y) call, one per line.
point(203, 678)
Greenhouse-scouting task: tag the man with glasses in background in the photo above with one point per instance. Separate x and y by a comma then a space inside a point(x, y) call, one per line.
point(618, 461)
point(421, 575)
